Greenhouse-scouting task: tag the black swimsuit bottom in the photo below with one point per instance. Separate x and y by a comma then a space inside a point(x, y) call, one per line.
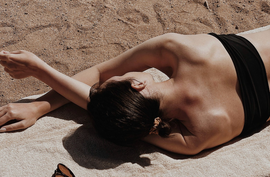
point(252, 80)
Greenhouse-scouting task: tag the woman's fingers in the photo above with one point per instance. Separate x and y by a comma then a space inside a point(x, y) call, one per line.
point(6, 116)
point(13, 52)
point(16, 52)
point(13, 127)
point(4, 119)
point(23, 114)
point(2, 113)
point(12, 65)
point(15, 69)
point(14, 56)
point(10, 72)
point(17, 74)
point(4, 56)
point(3, 63)
point(23, 61)
point(4, 52)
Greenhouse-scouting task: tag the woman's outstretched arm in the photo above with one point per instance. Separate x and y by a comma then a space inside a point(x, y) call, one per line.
point(27, 113)
point(21, 64)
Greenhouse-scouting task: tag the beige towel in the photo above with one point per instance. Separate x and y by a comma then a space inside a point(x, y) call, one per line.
point(66, 136)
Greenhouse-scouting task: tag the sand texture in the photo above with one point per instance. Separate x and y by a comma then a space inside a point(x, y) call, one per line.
point(72, 35)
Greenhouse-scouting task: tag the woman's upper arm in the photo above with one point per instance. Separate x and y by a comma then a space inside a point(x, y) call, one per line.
point(176, 143)
point(151, 53)
point(182, 140)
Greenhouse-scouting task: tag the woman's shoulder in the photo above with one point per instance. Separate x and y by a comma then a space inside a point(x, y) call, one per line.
point(181, 40)
point(189, 47)
point(181, 52)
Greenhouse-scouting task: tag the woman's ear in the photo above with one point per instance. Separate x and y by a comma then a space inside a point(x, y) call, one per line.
point(137, 85)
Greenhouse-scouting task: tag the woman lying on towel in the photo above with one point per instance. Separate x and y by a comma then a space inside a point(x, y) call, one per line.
point(218, 89)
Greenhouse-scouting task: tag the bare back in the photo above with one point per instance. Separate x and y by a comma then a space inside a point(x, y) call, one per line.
point(206, 90)
point(207, 85)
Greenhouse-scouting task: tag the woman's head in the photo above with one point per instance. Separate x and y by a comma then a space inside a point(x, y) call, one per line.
point(121, 114)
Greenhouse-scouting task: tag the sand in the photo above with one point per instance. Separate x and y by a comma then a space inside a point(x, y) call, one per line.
point(72, 35)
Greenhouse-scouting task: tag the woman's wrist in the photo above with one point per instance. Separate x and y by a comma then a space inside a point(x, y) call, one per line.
point(41, 70)
point(41, 108)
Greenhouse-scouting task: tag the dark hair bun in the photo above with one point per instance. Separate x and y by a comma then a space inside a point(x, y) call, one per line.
point(164, 129)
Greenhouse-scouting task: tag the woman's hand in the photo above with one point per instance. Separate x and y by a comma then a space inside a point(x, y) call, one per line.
point(21, 64)
point(25, 114)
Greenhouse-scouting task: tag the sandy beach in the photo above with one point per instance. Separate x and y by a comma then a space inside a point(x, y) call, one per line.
point(72, 35)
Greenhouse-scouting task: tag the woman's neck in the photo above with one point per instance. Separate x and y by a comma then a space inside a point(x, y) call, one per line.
point(165, 91)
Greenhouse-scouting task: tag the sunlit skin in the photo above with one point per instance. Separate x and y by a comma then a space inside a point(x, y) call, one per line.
point(201, 94)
